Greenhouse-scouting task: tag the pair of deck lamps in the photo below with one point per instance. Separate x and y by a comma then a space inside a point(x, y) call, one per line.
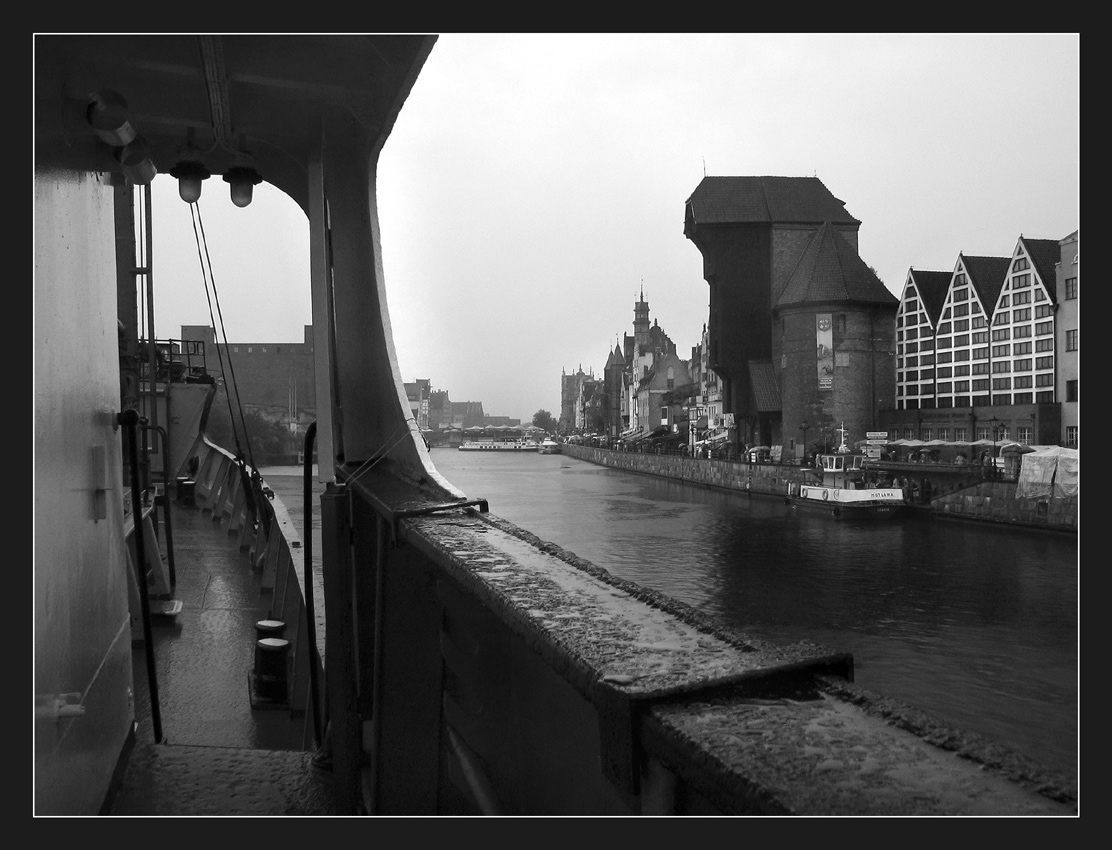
point(190, 171)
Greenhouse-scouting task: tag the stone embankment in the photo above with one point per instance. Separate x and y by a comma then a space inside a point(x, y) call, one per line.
point(985, 501)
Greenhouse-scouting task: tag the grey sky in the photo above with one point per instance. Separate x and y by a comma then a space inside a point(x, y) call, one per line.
point(534, 183)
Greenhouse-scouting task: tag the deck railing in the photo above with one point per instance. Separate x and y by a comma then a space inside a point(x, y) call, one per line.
point(274, 550)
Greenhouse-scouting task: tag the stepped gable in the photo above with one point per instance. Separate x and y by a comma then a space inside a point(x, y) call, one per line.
point(986, 276)
point(932, 288)
point(830, 270)
point(1045, 255)
point(752, 200)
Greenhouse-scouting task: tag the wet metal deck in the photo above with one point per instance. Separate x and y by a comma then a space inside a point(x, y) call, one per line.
point(218, 756)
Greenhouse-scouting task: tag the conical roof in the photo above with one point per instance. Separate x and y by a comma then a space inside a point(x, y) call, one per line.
point(830, 270)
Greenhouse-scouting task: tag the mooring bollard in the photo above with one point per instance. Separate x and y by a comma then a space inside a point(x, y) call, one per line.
point(271, 654)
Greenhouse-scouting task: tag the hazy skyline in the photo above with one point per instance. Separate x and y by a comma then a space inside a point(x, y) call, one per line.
point(533, 184)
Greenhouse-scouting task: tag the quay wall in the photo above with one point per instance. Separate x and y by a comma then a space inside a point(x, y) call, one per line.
point(984, 501)
point(996, 502)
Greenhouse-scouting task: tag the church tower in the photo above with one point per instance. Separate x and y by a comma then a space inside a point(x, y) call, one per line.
point(640, 327)
point(642, 360)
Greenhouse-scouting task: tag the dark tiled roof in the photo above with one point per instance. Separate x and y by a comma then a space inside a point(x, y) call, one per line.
point(1045, 254)
point(986, 274)
point(932, 288)
point(750, 200)
point(766, 387)
point(830, 270)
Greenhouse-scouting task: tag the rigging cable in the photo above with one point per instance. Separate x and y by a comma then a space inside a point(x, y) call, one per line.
point(252, 483)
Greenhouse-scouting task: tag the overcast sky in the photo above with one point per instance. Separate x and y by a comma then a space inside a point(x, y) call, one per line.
point(534, 184)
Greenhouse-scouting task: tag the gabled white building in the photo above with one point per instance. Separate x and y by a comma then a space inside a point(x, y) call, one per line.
point(980, 350)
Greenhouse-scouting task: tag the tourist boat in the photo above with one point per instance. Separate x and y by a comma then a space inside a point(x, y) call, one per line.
point(550, 447)
point(518, 444)
point(843, 490)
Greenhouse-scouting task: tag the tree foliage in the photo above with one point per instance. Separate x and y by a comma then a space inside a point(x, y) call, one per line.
point(543, 419)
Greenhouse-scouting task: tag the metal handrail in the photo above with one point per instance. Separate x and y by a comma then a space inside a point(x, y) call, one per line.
point(310, 616)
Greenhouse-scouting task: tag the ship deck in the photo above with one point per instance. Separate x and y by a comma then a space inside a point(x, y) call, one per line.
point(218, 755)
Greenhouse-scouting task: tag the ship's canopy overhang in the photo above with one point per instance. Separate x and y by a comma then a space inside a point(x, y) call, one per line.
point(259, 101)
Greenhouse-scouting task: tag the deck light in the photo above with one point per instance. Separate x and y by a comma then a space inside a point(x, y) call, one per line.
point(189, 173)
point(242, 179)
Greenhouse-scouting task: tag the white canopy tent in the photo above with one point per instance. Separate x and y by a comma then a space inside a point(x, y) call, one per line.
point(1049, 472)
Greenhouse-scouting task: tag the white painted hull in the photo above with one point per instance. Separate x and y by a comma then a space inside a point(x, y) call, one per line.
point(499, 447)
point(878, 503)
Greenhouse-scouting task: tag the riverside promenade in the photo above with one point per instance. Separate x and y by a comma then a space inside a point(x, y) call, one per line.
point(957, 494)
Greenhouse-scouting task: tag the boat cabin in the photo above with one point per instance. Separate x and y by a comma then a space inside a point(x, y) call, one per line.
point(845, 471)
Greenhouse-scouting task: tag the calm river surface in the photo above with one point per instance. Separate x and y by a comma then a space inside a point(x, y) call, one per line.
point(975, 624)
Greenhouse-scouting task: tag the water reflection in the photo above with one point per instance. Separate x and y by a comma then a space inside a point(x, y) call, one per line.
point(973, 623)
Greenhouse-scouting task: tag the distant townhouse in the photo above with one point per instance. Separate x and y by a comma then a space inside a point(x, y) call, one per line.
point(418, 394)
point(651, 362)
point(614, 382)
point(571, 388)
point(466, 414)
point(662, 393)
point(710, 391)
point(590, 407)
point(1066, 321)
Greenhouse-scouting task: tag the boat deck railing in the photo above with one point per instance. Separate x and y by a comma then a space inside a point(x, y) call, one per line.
point(176, 361)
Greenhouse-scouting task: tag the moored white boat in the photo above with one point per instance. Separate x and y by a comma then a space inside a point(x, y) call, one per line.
point(843, 503)
point(550, 447)
point(519, 444)
point(844, 491)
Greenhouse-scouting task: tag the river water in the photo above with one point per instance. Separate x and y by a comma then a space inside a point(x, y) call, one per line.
point(975, 624)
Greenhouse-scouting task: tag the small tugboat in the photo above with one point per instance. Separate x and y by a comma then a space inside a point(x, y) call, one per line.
point(843, 491)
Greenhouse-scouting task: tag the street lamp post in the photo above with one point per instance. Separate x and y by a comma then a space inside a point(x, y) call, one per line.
point(804, 426)
point(993, 422)
point(694, 410)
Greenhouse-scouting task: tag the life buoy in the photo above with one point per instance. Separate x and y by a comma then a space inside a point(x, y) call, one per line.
point(825, 495)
